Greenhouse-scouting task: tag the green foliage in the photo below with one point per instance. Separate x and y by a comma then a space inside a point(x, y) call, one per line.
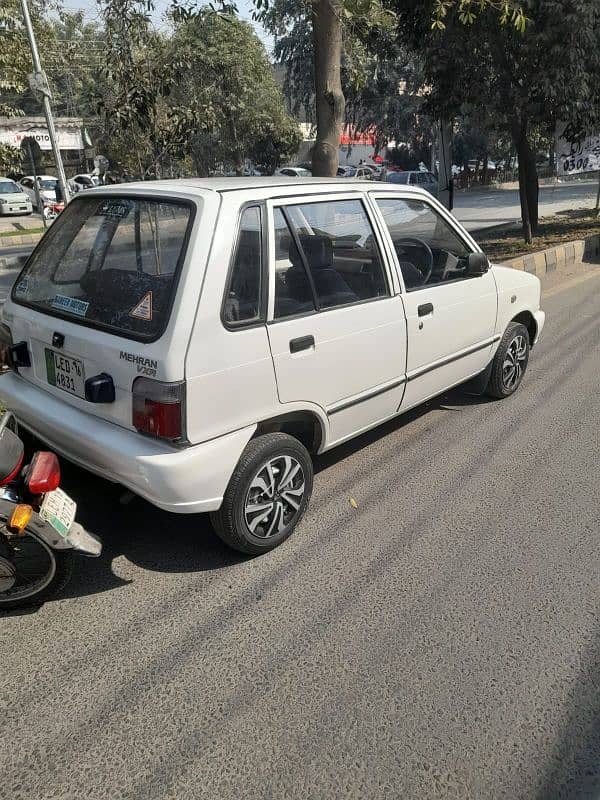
point(468, 10)
point(234, 107)
point(14, 62)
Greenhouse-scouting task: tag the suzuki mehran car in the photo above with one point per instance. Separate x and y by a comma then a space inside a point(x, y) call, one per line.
point(197, 340)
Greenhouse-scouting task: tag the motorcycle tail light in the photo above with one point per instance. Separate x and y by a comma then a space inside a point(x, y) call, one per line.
point(20, 518)
point(44, 473)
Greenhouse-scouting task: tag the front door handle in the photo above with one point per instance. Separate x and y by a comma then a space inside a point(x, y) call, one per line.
point(302, 343)
point(426, 308)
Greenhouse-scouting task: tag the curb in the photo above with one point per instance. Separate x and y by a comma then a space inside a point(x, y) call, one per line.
point(26, 238)
point(556, 258)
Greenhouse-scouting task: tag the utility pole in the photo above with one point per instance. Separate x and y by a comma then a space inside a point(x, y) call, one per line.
point(38, 81)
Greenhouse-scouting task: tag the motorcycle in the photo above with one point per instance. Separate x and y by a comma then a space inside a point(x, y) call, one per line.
point(38, 531)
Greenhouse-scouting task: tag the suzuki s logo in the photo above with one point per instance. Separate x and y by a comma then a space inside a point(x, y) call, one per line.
point(58, 339)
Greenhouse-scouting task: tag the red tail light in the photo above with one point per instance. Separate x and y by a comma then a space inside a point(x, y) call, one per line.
point(158, 408)
point(44, 474)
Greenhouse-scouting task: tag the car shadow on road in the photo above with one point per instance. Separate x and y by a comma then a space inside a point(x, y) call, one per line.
point(158, 541)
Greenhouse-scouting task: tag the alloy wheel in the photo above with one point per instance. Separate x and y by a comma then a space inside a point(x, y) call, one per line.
point(275, 496)
point(515, 362)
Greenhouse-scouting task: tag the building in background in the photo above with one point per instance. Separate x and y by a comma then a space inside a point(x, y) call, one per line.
point(73, 141)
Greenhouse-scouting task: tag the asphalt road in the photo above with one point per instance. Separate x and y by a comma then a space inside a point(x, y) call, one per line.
point(482, 209)
point(442, 640)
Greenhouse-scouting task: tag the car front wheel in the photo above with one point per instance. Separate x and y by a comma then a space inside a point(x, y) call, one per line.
point(510, 361)
point(267, 495)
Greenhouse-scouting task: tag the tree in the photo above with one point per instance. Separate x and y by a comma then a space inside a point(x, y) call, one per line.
point(13, 73)
point(331, 20)
point(526, 79)
point(234, 108)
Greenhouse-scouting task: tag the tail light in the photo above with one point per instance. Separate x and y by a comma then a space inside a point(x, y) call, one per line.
point(43, 475)
point(158, 408)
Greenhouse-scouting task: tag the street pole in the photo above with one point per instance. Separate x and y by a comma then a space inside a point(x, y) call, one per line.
point(39, 81)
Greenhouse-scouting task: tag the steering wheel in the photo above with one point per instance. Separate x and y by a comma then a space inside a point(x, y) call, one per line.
point(414, 241)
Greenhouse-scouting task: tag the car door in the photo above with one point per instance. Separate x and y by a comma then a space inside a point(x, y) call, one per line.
point(337, 329)
point(451, 315)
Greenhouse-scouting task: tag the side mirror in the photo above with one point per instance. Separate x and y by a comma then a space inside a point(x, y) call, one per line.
point(477, 264)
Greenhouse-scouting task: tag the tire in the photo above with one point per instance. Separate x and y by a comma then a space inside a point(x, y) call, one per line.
point(257, 514)
point(63, 569)
point(510, 362)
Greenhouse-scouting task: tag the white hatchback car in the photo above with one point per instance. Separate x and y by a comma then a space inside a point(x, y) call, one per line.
point(13, 199)
point(197, 340)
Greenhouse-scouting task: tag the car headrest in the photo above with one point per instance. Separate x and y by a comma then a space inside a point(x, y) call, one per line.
point(317, 249)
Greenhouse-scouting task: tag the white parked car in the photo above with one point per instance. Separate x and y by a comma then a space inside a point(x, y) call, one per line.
point(47, 187)
point(294, 172)
point(13, 199)
point(83, 181)
point(197, 340)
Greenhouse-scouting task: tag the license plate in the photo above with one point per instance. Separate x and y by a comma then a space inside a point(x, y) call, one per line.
point(65, 373)
point(59, 511)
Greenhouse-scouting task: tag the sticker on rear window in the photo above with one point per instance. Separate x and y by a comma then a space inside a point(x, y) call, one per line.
point(70, 304)
point(114, 209)
point(143, 310)
point(22, 286)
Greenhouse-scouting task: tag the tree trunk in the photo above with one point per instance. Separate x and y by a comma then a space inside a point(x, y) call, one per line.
point(528, 180)
point(329, 98)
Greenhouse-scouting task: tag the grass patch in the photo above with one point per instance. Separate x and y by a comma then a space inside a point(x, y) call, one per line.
point(566, 226)
point(24, 232)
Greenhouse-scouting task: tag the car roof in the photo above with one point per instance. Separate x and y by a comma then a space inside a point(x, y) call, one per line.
point(43, 177)
point(6, 180)
point(257, 187)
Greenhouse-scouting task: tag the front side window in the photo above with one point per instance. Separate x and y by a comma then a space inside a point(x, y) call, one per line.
point(428, 249)
point(243, 294)
point(109, 262)
point(332, 255)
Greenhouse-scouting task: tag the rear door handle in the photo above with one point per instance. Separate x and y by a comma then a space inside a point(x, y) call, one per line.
point(302, 343)
point(426, 308)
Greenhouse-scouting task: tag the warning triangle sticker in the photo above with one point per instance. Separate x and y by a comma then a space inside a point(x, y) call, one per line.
point(143, 310)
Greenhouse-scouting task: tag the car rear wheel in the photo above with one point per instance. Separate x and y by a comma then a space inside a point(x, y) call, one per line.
point(510, 361)
point(267, 495)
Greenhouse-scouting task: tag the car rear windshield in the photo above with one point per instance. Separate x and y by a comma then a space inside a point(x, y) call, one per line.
point(110, 262)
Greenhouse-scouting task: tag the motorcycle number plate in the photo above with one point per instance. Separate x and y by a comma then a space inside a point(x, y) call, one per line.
point(58, 509)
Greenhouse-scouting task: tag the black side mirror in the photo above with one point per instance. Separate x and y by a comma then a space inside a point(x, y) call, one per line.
point(477, 264)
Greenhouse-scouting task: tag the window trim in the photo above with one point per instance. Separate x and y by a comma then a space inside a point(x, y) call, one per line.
point(260, 319)
point(462, 234)
point(330, 197)
point(46, 240)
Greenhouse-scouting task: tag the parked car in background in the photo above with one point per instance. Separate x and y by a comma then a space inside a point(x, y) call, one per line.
point(423, 180)
point(170, 351)
point(13, 199)
point(362, 172)
point(294, 172)
point(47, 187)
point(83, 181)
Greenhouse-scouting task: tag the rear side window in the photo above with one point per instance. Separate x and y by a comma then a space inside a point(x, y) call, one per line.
point(110, 262)
point(243, 293)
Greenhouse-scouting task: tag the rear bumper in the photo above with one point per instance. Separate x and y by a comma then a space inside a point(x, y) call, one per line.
point(188, 480)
